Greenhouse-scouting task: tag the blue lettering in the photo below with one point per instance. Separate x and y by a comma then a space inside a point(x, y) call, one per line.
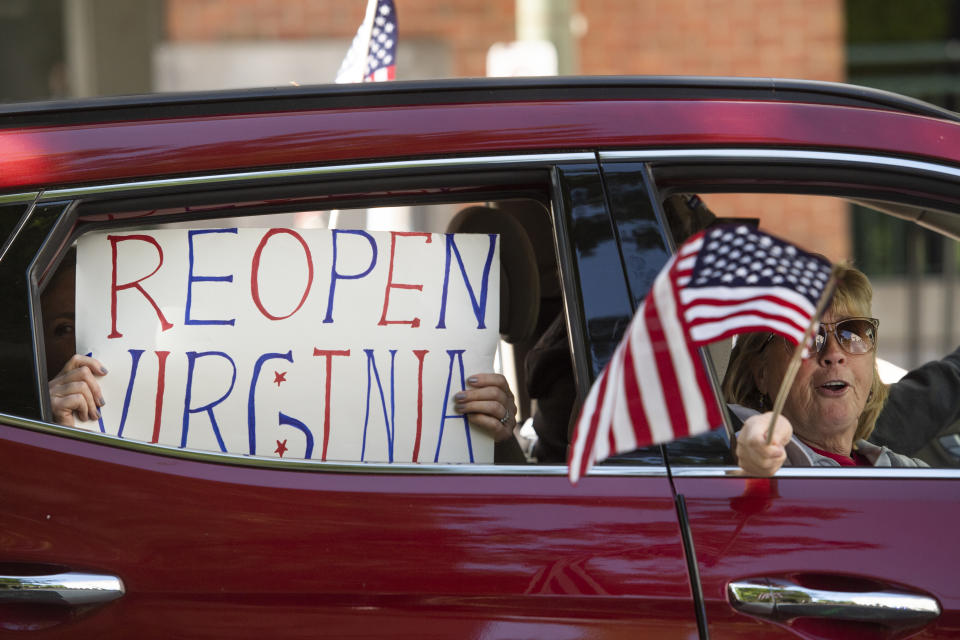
point(334, 276)
point(251, 408)
point(479, 308)
point(458, 354)
point(192, 357)
point(192, 278)
point(135, 356)
point(388, 420)
point(293, 422)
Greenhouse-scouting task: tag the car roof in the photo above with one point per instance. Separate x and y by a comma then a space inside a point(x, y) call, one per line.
point(82, 142)
point(468, 90)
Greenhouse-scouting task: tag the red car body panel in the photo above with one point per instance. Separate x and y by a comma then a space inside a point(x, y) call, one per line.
point(218, 550)
point(45, 156)
point(847, 535)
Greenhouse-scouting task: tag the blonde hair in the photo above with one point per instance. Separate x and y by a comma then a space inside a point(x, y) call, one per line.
point(853, 297)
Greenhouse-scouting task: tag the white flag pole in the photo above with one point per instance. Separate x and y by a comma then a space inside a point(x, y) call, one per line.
point(794, 365)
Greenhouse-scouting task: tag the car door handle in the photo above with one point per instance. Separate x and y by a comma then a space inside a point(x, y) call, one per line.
point(779, 599)
point(67, 588)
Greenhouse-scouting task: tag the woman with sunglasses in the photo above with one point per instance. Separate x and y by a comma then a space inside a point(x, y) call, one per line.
point(833, 404)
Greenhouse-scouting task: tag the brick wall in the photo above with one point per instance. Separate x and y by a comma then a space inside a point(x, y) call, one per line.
point(764, 38)
point(468, 27)
point(781, 38)
point(815, 223)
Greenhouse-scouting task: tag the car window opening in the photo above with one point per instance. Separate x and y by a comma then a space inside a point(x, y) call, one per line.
point(533, 352)
point(931, 439)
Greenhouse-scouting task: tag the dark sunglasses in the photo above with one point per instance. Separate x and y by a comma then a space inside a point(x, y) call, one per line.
point(856, 336)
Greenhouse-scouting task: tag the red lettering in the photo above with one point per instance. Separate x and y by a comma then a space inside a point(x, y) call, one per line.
point(393, 285)
point(114, 287)
point(161, 382)
point(255, 272)
point(328, 354)
point(419, 353)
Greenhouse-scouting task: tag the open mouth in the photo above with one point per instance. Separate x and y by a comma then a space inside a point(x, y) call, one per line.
point(834, 386)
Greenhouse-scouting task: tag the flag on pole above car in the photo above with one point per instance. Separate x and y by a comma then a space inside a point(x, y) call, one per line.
point(724, 281)
point(373, 54)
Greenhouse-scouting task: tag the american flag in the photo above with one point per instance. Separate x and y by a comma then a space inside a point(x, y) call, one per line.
point(373, 54)
point(727, 280)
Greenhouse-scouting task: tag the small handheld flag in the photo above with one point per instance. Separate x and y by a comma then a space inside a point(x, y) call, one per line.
point(373, 54)
point(724, 281)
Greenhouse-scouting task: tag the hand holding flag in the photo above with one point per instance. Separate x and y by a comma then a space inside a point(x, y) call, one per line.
point(724, 281)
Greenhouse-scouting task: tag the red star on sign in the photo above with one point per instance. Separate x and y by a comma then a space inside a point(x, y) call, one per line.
point(281, 448)
point(279, 377)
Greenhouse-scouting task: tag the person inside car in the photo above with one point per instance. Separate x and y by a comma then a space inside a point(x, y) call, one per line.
point(833, 404)
point(926, 400)
point(75, 392)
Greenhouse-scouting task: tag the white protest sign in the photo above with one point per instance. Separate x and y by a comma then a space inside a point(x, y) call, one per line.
point(319, 344)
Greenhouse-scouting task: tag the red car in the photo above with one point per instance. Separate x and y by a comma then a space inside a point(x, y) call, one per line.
point(106, 535)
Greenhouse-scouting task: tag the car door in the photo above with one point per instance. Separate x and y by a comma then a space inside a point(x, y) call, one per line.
point(813, 552)
point(105, 536)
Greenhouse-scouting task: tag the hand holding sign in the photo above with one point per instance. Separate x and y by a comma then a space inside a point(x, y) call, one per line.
point(490, 404)
point(75, 391)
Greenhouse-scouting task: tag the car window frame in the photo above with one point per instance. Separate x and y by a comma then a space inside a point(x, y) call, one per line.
point(82, 200)
point(703, 166)
point(20, 250)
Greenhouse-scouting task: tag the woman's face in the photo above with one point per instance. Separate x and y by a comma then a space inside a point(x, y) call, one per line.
point(57, 306)
point(829, 392)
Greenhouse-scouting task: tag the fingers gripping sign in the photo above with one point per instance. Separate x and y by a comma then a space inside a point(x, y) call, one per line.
point(75, 392)
point(489, 405)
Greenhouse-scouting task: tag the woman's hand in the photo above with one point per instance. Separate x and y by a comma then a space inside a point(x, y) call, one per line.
point(756, 457)
point(75, 392)
point(489, 405)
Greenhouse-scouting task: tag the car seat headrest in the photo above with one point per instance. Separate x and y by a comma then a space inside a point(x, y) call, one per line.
point(519, 280)
point(535, 219)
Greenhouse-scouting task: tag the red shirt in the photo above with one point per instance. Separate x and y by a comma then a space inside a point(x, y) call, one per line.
point(855, 460)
